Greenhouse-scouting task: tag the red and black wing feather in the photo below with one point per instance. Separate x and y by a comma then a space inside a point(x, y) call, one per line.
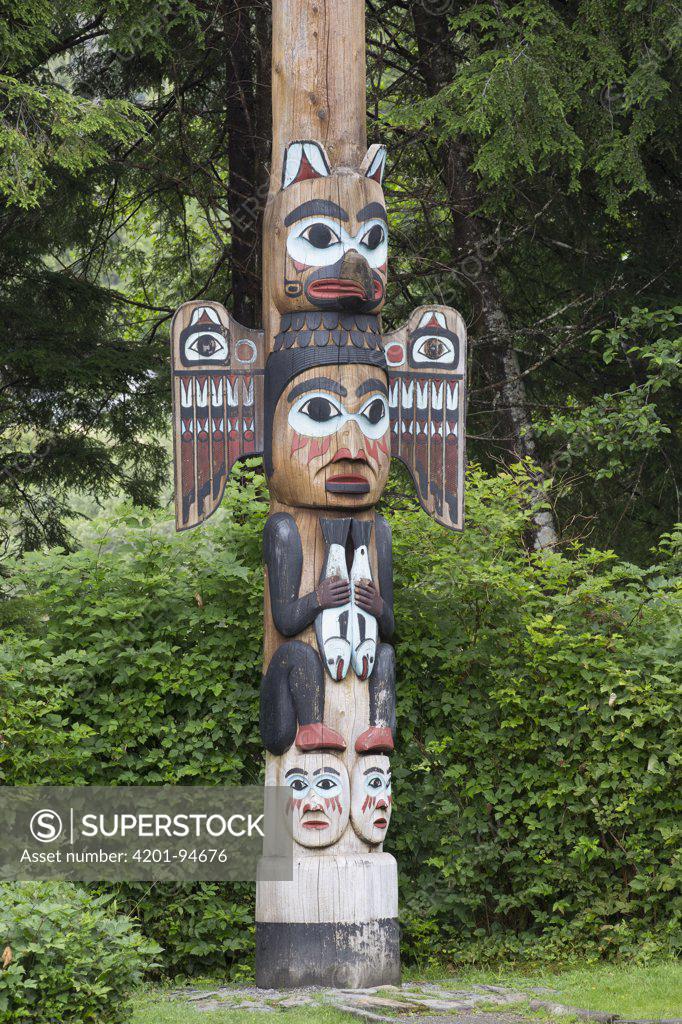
point(218, 368)
point(427, 395)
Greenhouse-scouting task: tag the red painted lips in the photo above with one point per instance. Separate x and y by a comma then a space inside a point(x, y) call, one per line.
point(336, 288)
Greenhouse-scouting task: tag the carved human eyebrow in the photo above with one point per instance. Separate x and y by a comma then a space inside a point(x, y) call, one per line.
point(371, 211)
point(371, 771)
point(315, 384)
point(317, 208)
point(294, 771)
point(373, 384)
point(326, 771)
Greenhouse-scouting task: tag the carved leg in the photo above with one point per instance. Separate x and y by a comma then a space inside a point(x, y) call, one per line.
point(379, 737)
point(292, 695)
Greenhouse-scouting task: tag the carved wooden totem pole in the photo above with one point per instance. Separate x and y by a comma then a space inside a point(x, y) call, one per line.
point(327, 400)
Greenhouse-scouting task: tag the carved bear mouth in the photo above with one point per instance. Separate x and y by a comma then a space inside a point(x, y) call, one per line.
point(336, 288)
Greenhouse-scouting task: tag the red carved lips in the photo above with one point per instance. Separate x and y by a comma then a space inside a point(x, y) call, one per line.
point(336, 288)
point(315, 824)
point(380, 823)
point(349, 483)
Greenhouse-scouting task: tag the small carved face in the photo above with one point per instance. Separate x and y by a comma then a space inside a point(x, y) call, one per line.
point(331, 438)
point(371, 798)
point(319, 805)
point(330, 233)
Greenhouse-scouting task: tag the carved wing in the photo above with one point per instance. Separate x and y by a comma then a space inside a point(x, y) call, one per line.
point(427, 395)
point(218, 368)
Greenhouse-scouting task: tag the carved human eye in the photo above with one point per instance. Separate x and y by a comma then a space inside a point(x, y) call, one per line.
point(374, 783)
point(374, 237)
point(434, 348)
point(315, 416)
point(298, 785)
point(320, 410)
point(320, 236)
point(205, 346)
point(373, 417)
point(375, 411)
point(328, 786)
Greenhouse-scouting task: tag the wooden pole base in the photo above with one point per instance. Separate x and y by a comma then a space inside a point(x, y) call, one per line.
point(335, 925)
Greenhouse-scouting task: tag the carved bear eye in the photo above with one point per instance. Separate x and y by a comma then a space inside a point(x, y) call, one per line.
point(319, 409)
point(374, 237)
point(320, 236)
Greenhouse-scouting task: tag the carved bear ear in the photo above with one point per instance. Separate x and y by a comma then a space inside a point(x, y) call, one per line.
point(304, 160)
point(374, 164)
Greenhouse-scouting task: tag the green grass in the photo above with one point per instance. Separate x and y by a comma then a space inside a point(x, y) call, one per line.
point(650, 991)
point(148, 1010)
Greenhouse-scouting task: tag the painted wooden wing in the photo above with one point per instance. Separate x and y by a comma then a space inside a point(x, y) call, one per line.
point(218, 370)
point(427, 395)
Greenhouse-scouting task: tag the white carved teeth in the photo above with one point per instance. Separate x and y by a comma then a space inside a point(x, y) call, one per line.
point(408, 395)
point(452, 397)
point(217, 391)
point(437, 395)
point(186, 391)
point(247, 390)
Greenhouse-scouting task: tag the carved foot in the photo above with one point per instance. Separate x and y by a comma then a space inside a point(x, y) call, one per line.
point(375, 740)
point(317, 736)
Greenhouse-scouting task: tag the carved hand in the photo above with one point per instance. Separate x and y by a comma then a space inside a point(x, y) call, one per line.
point(368, 598)
point(333, 592)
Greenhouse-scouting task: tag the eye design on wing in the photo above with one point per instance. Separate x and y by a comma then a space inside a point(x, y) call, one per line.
point(319, 415)
point(434, 348)
point(200, 347)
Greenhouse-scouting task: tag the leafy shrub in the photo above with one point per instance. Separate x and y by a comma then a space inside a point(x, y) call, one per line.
point(537, 803)
point(73, 960)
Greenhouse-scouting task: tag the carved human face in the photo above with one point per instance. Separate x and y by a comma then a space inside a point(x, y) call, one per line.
point(330, 235)
point(319, 805)
point(371, 798)
point(331, 438)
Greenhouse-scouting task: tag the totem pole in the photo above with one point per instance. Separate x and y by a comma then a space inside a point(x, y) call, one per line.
point(327, 400)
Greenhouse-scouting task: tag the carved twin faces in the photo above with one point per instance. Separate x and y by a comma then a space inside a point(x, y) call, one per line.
point(322, 798)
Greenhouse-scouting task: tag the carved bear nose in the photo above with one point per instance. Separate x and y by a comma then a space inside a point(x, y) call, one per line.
point(355, 267)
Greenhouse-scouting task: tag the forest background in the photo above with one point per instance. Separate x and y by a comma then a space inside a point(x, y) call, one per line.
point(533, 183)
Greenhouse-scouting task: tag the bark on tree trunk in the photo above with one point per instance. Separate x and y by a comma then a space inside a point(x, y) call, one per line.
point(498, 360)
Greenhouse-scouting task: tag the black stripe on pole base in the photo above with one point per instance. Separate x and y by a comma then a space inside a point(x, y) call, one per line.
point(331, 955)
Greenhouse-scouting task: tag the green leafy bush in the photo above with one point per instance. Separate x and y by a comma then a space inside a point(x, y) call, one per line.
point(73, 959)
point(537, 763)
